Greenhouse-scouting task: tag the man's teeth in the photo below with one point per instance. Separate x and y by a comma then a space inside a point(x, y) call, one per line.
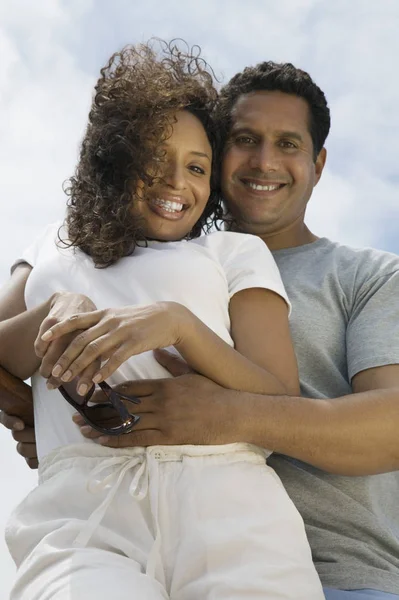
point(263, 188)
point(168, 205)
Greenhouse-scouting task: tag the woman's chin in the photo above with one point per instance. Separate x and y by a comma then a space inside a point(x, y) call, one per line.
point(166, 234)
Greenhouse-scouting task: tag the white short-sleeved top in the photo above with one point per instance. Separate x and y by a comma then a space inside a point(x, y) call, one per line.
point(202, 274)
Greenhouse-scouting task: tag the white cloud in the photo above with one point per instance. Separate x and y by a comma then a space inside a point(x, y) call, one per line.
point(51, 52)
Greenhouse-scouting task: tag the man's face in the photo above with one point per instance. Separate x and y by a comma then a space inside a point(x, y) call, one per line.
point(268, 170)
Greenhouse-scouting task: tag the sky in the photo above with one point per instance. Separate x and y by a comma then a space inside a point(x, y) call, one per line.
point(51, 53)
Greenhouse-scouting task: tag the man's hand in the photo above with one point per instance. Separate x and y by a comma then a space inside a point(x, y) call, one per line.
point(187, 410)
point(172, 362)
point(16, 414)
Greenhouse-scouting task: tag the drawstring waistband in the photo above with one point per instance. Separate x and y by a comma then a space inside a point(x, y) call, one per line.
point(112, 469)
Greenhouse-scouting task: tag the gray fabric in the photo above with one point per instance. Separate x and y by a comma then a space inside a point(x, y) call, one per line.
point(331, 594)
point(345, 318)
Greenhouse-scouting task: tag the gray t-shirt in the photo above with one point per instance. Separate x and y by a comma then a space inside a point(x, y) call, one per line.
point(345, 318)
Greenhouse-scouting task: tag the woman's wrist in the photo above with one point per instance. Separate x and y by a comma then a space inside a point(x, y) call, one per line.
point(182, 323)
point(54, 299)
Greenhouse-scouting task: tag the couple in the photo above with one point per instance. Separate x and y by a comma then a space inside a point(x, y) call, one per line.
point(336, 458)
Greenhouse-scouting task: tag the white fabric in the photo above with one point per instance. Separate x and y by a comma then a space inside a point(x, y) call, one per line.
point(202, 274)
point(184, 523)
point(229, 530)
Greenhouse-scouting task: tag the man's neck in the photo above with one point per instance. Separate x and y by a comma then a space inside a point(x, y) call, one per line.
point(289, 238)
point(297, 234)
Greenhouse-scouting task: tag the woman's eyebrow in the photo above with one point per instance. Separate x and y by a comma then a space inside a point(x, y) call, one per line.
point(202, 154)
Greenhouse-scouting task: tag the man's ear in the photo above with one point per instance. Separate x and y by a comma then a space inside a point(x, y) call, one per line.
point(319, 164)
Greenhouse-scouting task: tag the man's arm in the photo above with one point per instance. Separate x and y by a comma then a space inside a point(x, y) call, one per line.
point(16, 414)
point(356, 434)
point(352, 435)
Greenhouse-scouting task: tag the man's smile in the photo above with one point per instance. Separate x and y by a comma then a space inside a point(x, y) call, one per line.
point(260, 187)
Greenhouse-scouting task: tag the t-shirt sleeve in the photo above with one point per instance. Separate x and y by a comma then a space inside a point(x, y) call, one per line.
point(31, 253)
point(373, 330)
point(248, 263)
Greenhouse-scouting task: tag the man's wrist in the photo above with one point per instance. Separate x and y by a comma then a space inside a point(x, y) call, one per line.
point(239, 417)
point(283, 424)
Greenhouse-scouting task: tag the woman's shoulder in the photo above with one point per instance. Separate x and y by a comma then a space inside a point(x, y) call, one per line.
point(228, 240)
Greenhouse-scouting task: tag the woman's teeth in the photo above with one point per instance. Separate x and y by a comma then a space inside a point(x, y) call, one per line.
point(168, 205)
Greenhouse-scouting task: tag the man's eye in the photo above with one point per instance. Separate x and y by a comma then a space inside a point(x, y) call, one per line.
point(244, 140)
point(287, 144)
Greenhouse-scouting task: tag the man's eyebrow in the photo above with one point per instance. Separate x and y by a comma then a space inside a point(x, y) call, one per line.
point(238, 128)
point(242, 128)
point(290, 134)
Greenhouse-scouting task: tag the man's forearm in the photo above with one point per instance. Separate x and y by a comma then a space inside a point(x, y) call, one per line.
point(353, 435)
point(17, 336)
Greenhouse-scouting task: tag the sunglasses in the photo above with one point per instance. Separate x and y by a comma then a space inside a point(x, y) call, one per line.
point(114, 412)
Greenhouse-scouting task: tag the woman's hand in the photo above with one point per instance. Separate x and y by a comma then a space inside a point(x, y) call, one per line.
point(115, 335)
point(63, 306)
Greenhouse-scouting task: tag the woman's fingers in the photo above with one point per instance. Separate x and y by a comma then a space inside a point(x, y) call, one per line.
point(50, 357)
point(85, 382)
point(40, 346)
point(79, 321)
point(117, 358)
point(86, 348)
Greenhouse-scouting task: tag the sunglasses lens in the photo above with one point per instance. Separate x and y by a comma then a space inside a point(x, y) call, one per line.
point(106, 418)
point(111, 418)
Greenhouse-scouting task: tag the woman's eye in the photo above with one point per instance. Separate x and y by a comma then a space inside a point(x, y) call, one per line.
point(197, 169)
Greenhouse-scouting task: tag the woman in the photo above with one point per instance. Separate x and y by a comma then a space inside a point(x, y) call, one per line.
point(163, 522)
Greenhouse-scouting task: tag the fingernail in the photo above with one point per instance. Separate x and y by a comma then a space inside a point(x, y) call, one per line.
point(46, 336)
point(19, 426)
point(78, 419)
point(56, 371)
point(66, 376)
point(85, 429)
point(50, 386)
point(103, 439)
point(97, 378)
point(82, 389)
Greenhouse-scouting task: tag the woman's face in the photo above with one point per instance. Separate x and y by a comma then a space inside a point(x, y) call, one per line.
point(176, 201)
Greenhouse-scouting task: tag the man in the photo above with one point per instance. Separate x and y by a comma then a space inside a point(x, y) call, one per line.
point(337, 448)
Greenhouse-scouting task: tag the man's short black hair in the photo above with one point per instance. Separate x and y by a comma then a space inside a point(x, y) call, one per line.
point(281, 77)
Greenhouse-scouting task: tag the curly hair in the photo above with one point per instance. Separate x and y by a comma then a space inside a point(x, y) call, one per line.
point(282, 77)
point(132, 114)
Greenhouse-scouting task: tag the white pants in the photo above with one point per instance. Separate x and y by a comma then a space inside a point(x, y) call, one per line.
point(178, 522)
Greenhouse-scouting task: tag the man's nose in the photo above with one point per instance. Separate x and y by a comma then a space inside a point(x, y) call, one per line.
point(265, 157)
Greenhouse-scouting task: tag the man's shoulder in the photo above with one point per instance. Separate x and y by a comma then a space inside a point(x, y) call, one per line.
point(363, 262)
point(330, 265)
